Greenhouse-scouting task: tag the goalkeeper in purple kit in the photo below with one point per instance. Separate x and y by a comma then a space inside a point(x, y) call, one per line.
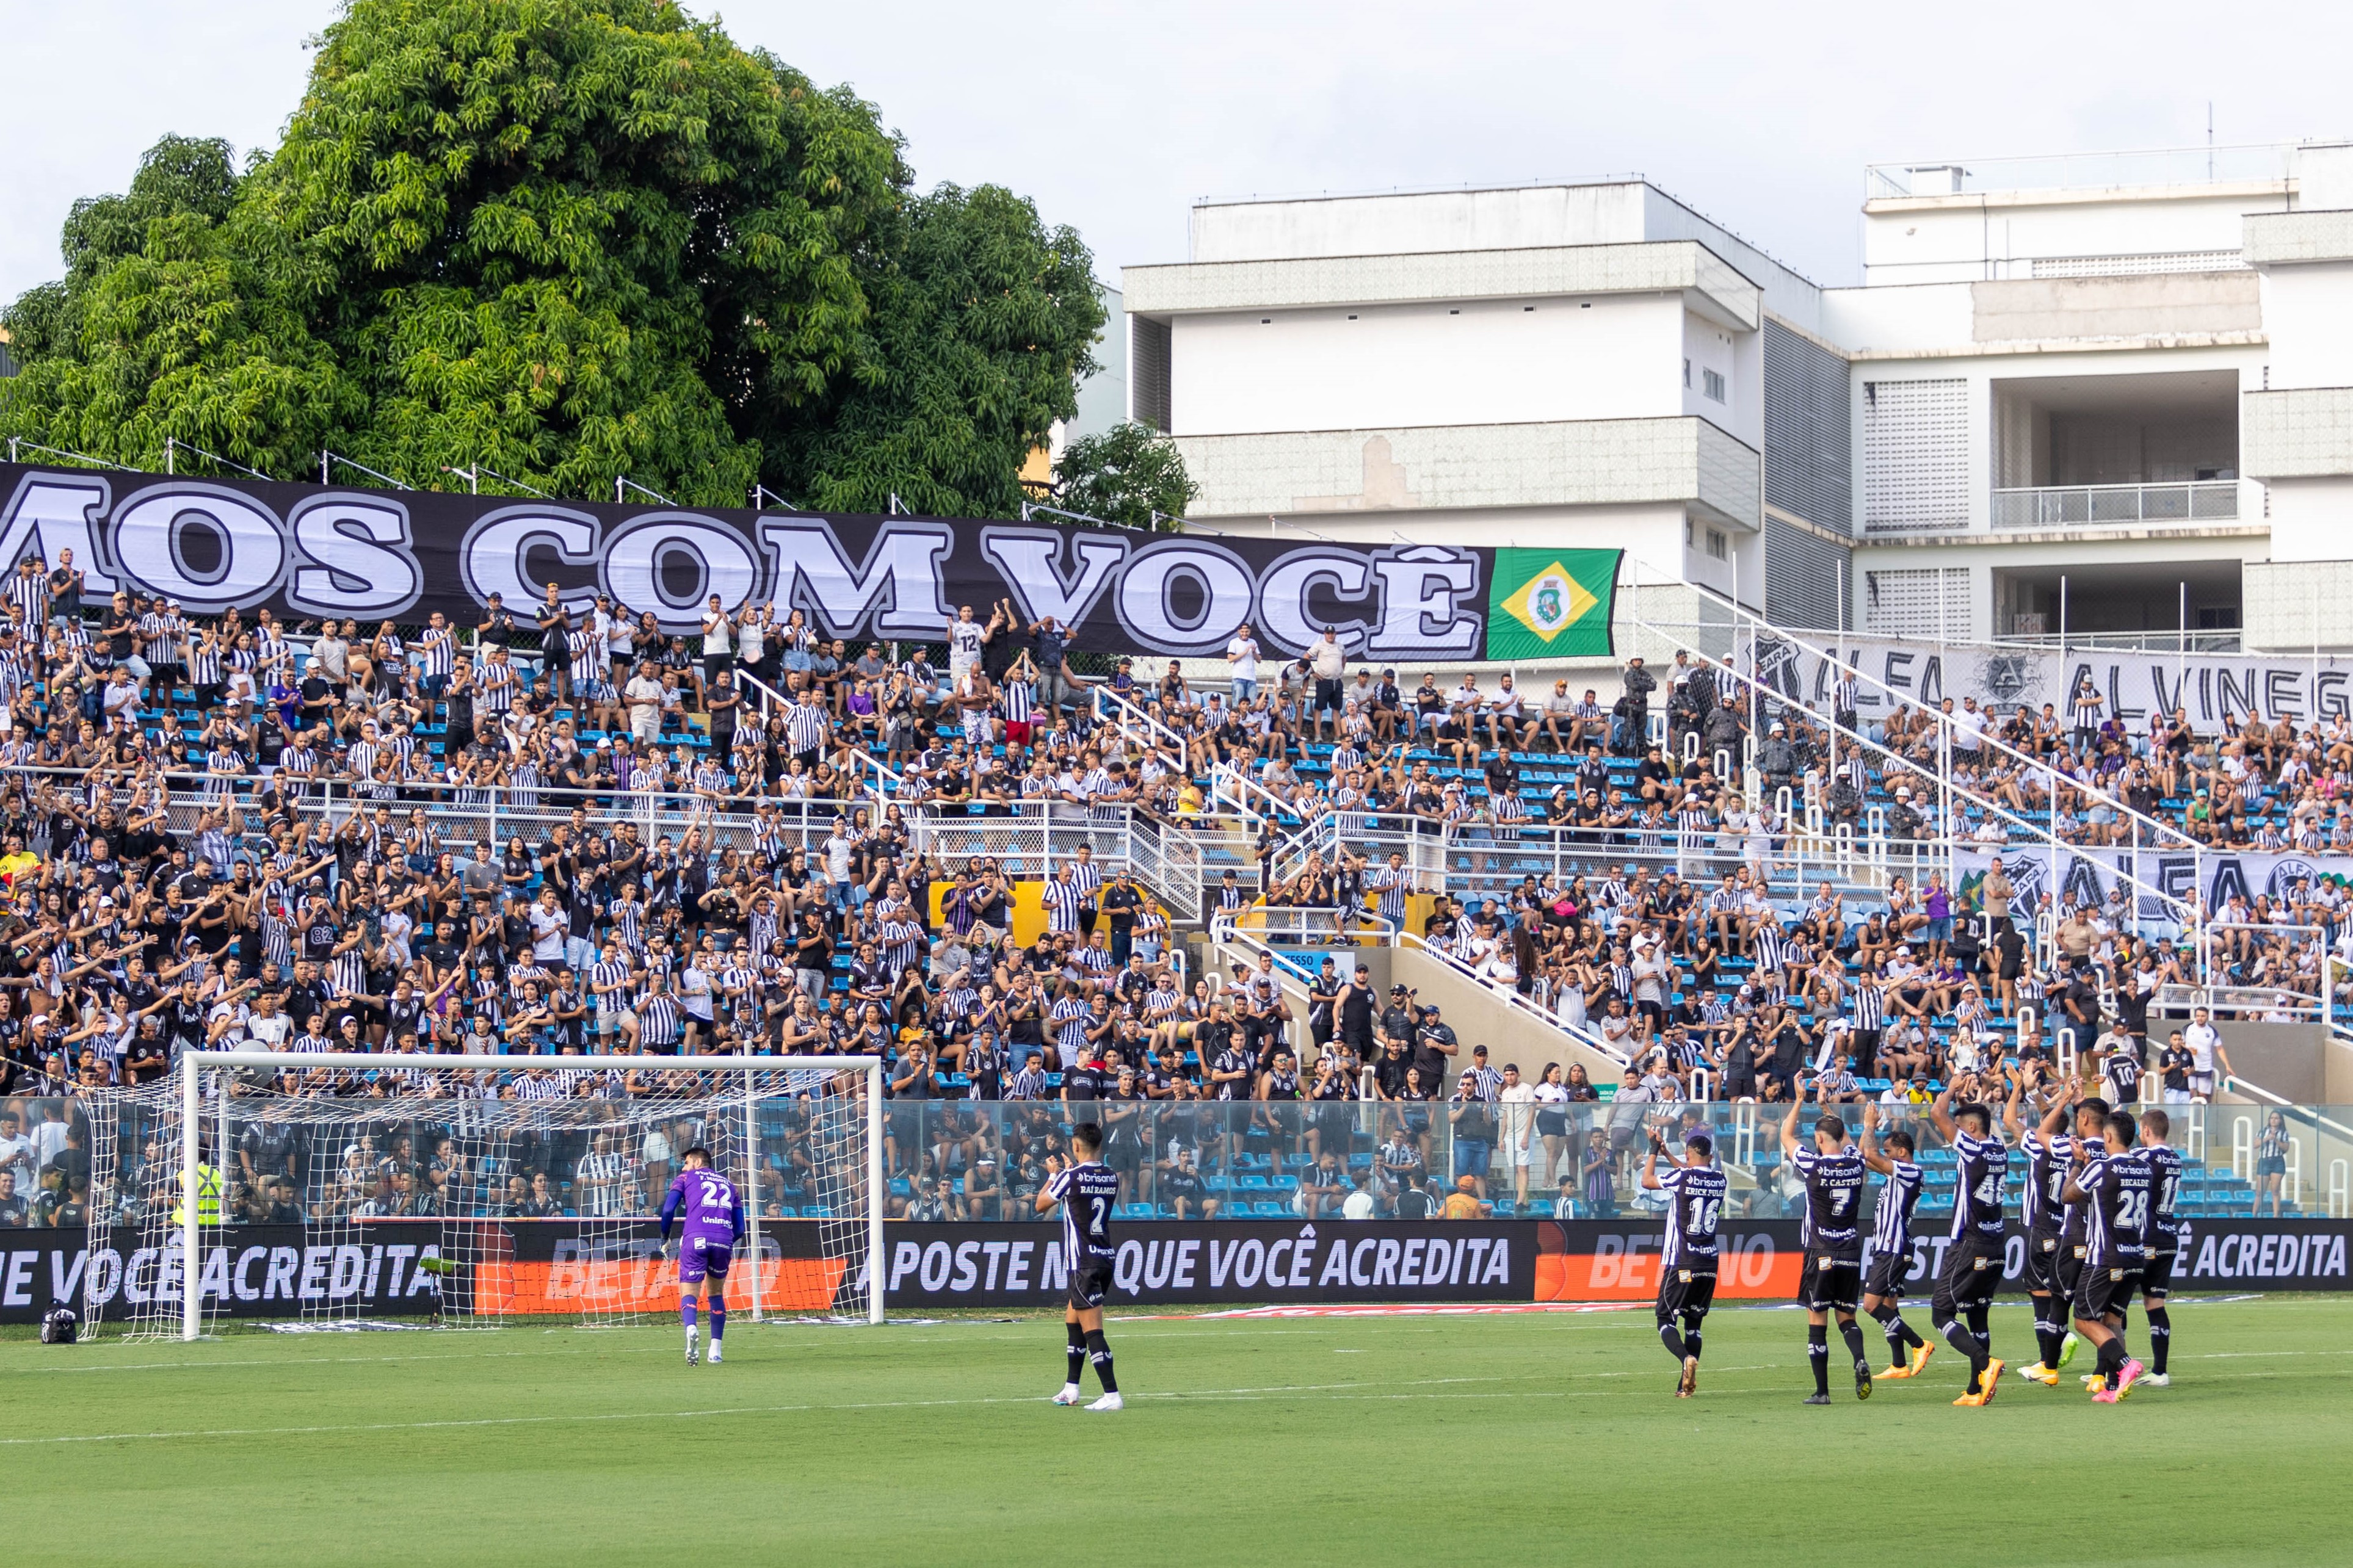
point(712, 1222)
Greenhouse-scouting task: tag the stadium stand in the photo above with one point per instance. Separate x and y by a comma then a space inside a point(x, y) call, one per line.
point(1691, 899)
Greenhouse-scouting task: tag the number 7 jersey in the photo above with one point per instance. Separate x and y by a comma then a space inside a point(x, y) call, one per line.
point(1833, 1198)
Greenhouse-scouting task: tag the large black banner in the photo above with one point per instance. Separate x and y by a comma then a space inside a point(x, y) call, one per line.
point(530, 1268)
point(311, 551)
point(1219, 1260)
point(1604, 1260)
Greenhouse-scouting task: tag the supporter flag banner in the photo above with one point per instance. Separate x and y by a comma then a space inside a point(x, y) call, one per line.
point(2132, 686)
point(2091, 877)
point(1552, 603)
point(311, 551)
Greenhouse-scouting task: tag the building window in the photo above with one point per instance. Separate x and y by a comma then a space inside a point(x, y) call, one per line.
point(1915, 455)
point(1147, 386)
point(1926, 603)
point(1711, 385)
point(1686, 375)
point(1715, 544)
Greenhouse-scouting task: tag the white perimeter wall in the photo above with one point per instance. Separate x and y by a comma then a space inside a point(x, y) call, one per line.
point(1383, 366)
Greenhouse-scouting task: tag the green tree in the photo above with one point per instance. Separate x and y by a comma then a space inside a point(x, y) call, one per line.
point(983, 320)
point(1130, 474)
point(569, 239)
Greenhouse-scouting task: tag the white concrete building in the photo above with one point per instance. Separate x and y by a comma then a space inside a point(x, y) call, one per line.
point(2135, 374)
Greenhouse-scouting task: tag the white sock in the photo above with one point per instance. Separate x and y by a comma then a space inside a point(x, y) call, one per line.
point(690, 1336)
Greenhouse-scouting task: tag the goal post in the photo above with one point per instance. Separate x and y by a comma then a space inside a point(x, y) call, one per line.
point(356, 1145)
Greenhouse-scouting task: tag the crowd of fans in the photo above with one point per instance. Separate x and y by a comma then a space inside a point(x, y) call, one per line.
point(226, 831)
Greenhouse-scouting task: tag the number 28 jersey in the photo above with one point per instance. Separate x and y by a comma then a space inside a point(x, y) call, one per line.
point(1696, 1203)
point(1979, 1166)
point(2119, 1187)
point(1833, 1199)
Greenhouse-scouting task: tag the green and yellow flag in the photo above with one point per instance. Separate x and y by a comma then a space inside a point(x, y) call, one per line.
point(1551, 604)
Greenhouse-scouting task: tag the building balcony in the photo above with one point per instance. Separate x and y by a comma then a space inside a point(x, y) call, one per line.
point(2092, 506)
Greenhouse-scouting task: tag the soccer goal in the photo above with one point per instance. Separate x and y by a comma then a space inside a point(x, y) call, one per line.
point(354, 1190)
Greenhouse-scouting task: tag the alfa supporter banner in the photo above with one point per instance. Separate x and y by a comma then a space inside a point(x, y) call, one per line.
point(2133, 685)
point(1601, 1260)
point(317, 551)
point(1171, 1263)
point(2088, 875)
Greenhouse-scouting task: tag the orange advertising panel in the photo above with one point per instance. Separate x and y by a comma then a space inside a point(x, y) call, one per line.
point(1615, 1260)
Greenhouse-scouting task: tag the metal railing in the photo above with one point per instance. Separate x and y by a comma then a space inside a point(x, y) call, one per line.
point(2057, 170)
point(2147, 832)
point(2076, 506)
point(1031, 838)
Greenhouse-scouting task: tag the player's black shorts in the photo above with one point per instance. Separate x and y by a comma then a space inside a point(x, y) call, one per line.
point(2157, 1275)
point(1888, 1270)
point(2104, 1292)
point(2069, 1268)
point(2043, 1249)
point(1685, 1292)
point(1091, 1283)
point(1832, 1282)
point(1972, 1272)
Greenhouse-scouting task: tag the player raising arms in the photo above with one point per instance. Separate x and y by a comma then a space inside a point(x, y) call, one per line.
point(1834, 1175)
point(2164, 1239)
point(712, 1226)
point(1973, 1259)
point(2114, 1186)
point(1687, 1259)
point(1891, 1246)
point(1086, 1188)
point(2050, 1153)
point(2075, 1232)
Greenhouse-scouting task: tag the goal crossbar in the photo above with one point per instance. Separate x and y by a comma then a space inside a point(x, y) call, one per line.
point(192, 1064)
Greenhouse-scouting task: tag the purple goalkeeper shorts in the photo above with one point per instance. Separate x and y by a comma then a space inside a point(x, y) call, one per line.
point(698, 1258)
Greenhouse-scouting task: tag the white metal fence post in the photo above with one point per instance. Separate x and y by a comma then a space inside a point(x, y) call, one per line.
point(190, 1259)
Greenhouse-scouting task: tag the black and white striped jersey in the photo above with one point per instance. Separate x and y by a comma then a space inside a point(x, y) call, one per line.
point(1833, 1198)
point(1695, 1203)
point(2048, 1162)
point(1061, 899)
point(1979, 1166)
point(1891, 1220)
point(1086, 1192)
point(2165, 1187)
point(2119, 1187)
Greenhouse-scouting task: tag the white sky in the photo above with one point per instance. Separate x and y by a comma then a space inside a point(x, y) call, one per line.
point(1116, 117)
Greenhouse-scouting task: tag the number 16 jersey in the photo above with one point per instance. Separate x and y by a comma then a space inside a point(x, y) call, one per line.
point(1696, 1203)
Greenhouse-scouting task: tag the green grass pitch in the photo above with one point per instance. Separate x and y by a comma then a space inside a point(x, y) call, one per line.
point(1521, 1438)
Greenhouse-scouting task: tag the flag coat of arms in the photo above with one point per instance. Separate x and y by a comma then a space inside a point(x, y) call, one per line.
point(1551, 604)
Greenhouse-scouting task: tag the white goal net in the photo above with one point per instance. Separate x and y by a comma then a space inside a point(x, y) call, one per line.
point(349, 1191)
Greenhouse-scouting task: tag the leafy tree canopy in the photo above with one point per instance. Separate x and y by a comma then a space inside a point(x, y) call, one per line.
point(565, 239)
point(1130, 474)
